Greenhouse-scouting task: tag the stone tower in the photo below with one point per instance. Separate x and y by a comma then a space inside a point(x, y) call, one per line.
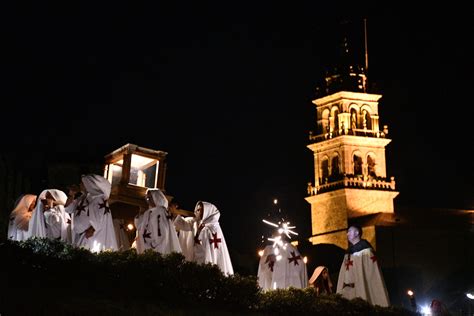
point(350, 179)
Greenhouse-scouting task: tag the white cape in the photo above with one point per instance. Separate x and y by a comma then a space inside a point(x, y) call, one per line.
point(290, 270)
point(123, 242)
point(185, 227)
point(155, 229)
point(15, 233)
point(360, 276)
point(265, 268)
point(208, 242)
point(52, 223)
point(20, 217)
point(93, 210)
point(210, 245)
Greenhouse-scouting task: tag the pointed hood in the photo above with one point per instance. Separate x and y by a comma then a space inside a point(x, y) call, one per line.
point(210, 213)
point(158, 197)
point(96, 185)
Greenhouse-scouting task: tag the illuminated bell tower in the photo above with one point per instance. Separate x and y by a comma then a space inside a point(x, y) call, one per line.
point(350, 179)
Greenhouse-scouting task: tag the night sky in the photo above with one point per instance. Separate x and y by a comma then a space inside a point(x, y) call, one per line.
point(226, 90)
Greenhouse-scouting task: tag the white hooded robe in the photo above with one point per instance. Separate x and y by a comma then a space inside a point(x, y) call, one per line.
point(123, 242)
point(52, 223)
point(20, 217)
point(92, 209)
point(360, 276)
point(290, 270)
point(202, 240)
point(209, 241)
point(265, 268)
point(185, 227)
point(155, 229)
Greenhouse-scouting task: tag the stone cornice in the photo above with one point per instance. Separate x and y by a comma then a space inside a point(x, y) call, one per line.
point(346, 95)
point(350, 140)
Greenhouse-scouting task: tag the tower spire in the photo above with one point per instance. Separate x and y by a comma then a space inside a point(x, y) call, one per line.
point(348, 72)
point(366, 56)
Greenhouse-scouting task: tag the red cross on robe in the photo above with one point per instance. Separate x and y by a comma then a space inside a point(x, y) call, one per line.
point(271, 265)
point(146, 234)
point(79, 209)
point(349, 263)
point(214, 240)
point(294, 258)
point(104, 206)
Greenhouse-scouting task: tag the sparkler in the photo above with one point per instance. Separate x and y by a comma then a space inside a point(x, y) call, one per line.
point(281, 256)
point(277, 241)
point(282, 227)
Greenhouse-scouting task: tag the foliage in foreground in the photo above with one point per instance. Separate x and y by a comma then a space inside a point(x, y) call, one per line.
point(48, 277)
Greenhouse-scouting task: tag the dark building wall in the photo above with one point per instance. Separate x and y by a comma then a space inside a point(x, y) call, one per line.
point(433, 262)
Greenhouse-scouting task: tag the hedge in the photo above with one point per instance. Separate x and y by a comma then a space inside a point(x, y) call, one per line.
point(47, 277)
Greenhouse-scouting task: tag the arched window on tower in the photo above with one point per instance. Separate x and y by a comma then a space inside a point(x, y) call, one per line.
point(335, 170)
point(353, 120)
point(371, 166)
point(357, 165)
point(325, 121)
point(335, 117)
point(324, 170)
point(366, 120)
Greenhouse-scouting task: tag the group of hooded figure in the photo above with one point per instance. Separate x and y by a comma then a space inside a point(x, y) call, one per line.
point(199, 238)
point(360, 275)
point(84, 219)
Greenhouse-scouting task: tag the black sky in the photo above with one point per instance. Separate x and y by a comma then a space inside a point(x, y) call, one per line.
point(226, 90)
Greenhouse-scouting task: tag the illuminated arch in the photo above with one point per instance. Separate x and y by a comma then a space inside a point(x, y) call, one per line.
point(366, 116)
point(325, 120)
point(357, 163)
point(324, 169)
point(335, 164)
point(371, 164)
point(335, 115)
point(354, 116)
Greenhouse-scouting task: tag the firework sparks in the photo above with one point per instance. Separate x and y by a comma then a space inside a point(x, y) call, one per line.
point(277, 241)
point(270, 223)
point(283, 228)
point(287, 230)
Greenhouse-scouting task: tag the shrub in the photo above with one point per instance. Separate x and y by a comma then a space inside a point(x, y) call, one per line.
point(45, 276)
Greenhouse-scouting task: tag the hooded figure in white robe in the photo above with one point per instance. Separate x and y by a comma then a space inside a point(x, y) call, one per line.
point(123, 242)
point(321, 280)
point(155, 229)
point(185, 225)
point(265, 268)
point(20, 218)
point(360, 274)
point(209, 242)
point(138, 220)
point(49, 219)
point(92, 222)
point(289, 269)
